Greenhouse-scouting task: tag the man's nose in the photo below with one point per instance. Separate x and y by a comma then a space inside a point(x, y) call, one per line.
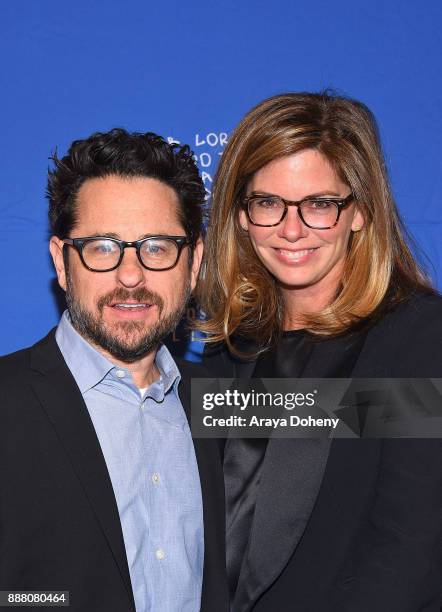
point(130, 272)
point(292, 228)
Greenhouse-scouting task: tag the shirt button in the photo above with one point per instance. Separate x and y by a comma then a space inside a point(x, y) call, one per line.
point(160, 554)
point(120, 373)
point(155, 478)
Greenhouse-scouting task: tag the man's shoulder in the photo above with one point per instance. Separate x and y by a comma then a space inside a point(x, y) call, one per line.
point(13, 364)
point(16, 364)
point(189, 370)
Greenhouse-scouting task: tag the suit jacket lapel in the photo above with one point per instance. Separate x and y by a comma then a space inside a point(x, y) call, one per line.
point(291, 477)
point(63, 403)
point(208, 453)
point(290, 481)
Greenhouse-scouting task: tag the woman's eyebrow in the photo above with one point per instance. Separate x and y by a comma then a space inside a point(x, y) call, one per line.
point(318, 194)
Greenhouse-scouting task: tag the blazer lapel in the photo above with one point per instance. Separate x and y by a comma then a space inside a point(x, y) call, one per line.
point(244, 369)
point(291, 477)
point(290, 481)
point(63, 403)
point(208, 452)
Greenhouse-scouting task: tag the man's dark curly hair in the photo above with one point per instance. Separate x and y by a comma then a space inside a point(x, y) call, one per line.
point(124, 154)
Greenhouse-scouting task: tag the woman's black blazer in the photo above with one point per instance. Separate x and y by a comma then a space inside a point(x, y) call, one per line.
point(351, 525)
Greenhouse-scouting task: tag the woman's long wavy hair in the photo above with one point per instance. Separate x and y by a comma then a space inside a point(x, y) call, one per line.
point(239, 296)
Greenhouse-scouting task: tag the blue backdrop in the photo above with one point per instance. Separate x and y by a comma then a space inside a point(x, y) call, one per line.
point(189, 71)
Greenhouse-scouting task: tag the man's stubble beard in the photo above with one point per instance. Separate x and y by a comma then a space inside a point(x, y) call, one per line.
point(128, 346)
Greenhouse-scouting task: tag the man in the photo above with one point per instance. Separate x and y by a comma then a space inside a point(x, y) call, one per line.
point(102, 491)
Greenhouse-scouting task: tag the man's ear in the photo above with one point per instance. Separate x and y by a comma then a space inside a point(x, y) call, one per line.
point(56, 249)
point(196, 262)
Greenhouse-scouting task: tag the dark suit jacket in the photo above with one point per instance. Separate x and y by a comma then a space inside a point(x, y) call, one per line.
point(351, 525)
point(59, 522)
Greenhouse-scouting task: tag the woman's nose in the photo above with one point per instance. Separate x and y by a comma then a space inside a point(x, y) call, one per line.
point(292, 228)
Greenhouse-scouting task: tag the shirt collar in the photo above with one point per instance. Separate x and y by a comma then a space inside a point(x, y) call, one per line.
point(89, 366)
point(168, 369)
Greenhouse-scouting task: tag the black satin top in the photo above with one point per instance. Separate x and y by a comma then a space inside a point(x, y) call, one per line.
point(244, 458)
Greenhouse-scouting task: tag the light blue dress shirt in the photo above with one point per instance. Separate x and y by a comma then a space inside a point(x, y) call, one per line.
point(149, 453)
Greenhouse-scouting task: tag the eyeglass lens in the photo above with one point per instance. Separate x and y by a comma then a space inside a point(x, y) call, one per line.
point(102, 254)
point(315, 213)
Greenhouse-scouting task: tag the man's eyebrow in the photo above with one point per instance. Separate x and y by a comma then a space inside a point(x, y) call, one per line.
point(318, 194)
point(118, 237)
point(106, 235)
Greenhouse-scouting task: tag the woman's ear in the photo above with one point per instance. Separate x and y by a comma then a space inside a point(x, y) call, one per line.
point(358, 220)
point(243, 221)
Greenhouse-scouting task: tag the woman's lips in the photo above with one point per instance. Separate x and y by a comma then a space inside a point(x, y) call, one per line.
point(295, 256)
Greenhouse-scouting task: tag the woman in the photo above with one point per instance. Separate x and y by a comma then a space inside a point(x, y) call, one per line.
point(308, 274)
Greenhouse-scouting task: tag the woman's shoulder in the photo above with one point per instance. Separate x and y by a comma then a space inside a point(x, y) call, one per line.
point(407, 340)
point(418, 312)
point(219, 358)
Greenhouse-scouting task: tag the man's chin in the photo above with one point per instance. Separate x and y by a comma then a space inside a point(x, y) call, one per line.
point(126, 341)
point(127, 347)
point(126, 329)
point(122, 339)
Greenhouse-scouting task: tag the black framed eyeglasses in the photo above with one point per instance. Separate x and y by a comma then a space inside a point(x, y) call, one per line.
point(316, 213)
point(102, 254)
